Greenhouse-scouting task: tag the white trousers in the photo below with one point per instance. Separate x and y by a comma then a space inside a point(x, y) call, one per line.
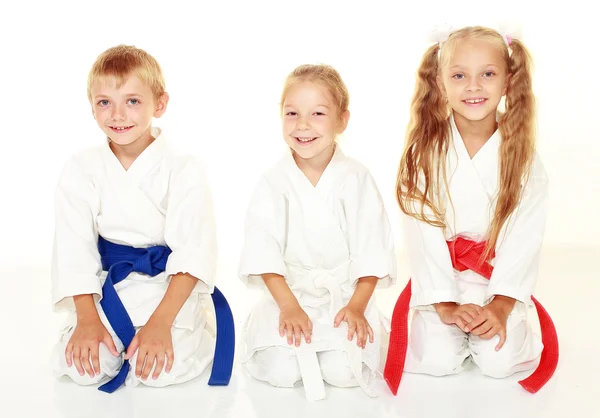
point(193, 352)
point(279, 366)
point(438, 349)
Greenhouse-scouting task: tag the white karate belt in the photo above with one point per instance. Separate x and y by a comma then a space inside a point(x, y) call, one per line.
point(306, 354)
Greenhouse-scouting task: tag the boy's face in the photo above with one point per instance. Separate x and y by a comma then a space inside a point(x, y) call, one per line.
point(125, 113)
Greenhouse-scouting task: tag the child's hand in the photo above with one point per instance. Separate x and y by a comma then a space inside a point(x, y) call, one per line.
point(84, 345)
point(153, 342)
point(492, 320)
point(460, 315)
point(357, 324)
point(293, 322)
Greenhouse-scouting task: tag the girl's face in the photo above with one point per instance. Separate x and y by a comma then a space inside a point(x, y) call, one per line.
point(474, 79)
point(311, 120)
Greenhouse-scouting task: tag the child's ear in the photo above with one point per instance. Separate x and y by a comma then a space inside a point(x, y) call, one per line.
point(343, 124)
point(161, 105)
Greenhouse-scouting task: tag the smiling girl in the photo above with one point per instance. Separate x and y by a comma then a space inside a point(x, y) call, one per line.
point(474, 197)
point(318, 237)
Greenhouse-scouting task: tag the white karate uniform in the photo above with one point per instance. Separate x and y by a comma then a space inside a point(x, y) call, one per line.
point(162, 199)
point(439, 349)
point(322, 240)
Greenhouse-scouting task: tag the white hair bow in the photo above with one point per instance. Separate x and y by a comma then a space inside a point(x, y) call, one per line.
point(507, 30)
point(440, 33)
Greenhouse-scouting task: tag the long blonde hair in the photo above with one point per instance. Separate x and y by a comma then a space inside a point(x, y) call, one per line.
point(421, 179)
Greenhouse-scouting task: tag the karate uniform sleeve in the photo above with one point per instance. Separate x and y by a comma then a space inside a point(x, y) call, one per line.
point(190, 227)
point(518, 250)
point(430, 266)
point(76, 266)
point(370, 237)
point(265, 233)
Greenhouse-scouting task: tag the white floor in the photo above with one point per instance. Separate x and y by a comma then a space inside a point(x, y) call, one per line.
point(568, 288)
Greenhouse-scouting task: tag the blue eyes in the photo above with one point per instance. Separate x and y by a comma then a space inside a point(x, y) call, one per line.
point(295, 114)
point(105, 103)
point(487, 74)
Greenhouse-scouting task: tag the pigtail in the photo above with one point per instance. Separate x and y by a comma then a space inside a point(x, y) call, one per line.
point(517, 127)
point(425, 147)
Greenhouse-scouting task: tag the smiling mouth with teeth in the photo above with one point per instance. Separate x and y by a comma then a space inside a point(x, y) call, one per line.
point(474, 101)
point(305, 140)
point(120, 128)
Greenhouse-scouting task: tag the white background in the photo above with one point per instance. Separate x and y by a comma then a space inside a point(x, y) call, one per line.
point(225, 63)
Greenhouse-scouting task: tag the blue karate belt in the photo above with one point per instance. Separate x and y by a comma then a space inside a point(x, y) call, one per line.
point(120, 261)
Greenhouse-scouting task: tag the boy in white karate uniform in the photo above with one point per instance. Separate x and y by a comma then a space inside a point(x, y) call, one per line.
point(133, 191)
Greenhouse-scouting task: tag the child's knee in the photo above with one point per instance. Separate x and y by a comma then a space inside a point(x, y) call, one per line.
point(492, 363)
point(520, 352)
point(193, 353)
point(335, 369)
point(81, 379)
point(441, 361)
point(435, 348)
point(276, 365)
point(109, 366)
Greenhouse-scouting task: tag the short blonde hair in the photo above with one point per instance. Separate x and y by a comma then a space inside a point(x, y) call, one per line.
point(324, 74)
point(124, 60)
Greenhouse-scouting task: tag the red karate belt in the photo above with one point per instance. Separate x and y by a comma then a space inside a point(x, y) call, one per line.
point(465, 255)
